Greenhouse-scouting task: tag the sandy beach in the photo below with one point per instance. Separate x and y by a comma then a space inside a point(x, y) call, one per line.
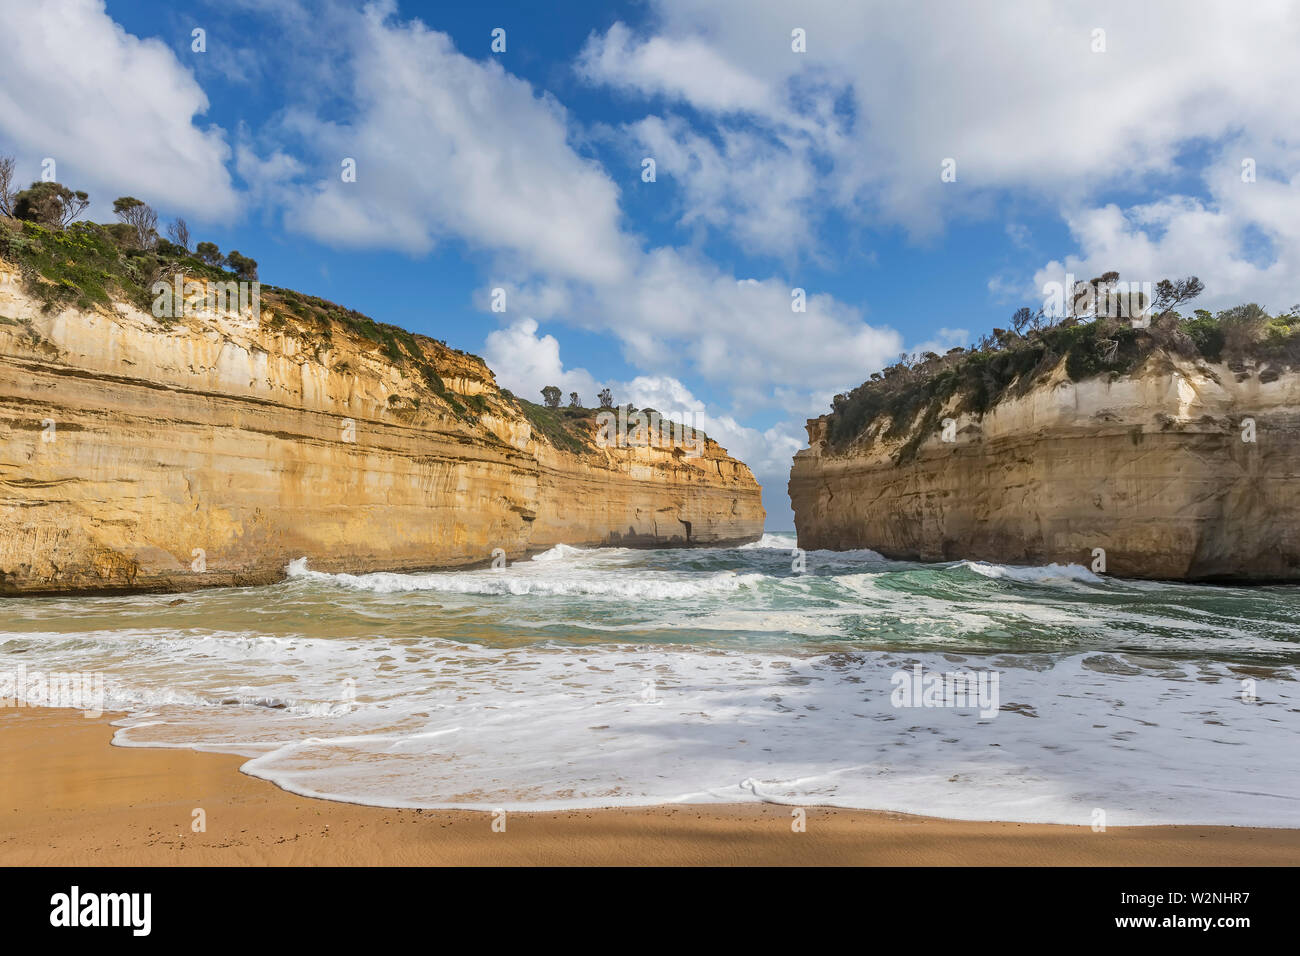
point(71, 798)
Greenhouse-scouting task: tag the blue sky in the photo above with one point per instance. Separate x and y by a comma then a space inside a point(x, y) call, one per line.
point(1074, 149)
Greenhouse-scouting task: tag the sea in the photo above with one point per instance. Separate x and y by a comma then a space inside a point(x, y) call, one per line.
point(605, 677)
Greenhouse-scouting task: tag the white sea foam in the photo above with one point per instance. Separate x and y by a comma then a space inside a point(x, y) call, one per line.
point(699, 675)
point(551, 728)
point(1033, 574)
point(780, 542)
point(520, 579)
point(566, 552)
point(789, 542)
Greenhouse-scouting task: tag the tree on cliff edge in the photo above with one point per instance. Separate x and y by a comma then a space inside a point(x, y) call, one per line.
point(50, 204)
point(551, 396)
point(179, 233)
point(242, 266)
point(210, 253)
point(7, 194)
point(140, 216)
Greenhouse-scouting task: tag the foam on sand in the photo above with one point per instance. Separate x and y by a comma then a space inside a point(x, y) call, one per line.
point(592, 677)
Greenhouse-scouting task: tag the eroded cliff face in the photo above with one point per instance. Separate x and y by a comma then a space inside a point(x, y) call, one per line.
point(216, 448)
point(1153, 468)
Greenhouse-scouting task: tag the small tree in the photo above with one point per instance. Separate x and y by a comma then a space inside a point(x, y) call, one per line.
point(1103, 290)
point(574, 400)
point(7, 194)
point(50, 204)
point(1170, 295)
point(242, 266)
point(209, 253)
point(551, 396)
point(140, 216)
point(606, 398)
point(179, 232)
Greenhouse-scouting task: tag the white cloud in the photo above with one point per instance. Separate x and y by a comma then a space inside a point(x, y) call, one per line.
point(1242, 239)
point(268, 176)
point(1019, 235)
point(686, 313)
point(684, 67)
point(754, 187)
point(680, 314)
point(1011, 90)
point(448, 147)
point(115, 112)
point(526, 362)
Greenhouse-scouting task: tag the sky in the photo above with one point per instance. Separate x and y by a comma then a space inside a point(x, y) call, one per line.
point(918, 170)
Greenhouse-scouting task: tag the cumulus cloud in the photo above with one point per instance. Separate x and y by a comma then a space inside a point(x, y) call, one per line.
point(526, 362)
point(745, 332)
point(685, 67)
point(678, 313)
point(1026, 97)
point(448, 147)
point(753, 186)
point(1242, 240)
point(115, 112)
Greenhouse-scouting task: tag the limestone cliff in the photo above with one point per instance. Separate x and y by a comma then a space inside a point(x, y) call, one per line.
point(216, 447)
point(1181, 468)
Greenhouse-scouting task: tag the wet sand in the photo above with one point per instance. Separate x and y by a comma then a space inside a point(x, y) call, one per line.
point(67, 797)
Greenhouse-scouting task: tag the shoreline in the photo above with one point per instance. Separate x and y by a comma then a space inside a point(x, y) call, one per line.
point(232, 580)
point(235, 580)
point(73, 799)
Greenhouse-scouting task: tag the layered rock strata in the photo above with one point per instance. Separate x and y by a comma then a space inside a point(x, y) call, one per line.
point(214, 449)
point(1181, 470)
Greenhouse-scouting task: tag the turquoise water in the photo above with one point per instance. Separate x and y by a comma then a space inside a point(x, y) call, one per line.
point(589, 677)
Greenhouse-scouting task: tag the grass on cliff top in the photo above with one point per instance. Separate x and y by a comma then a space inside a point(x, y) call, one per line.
point(90, 264)
point(568, 429)
point(912, 392)
point(85, 265)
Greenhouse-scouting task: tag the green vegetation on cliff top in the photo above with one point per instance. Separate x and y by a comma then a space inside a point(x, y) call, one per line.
point(88, 264)
point(912, 392)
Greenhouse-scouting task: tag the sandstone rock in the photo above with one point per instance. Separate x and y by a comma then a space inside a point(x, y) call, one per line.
point(215, 449)
point(1151, 467)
